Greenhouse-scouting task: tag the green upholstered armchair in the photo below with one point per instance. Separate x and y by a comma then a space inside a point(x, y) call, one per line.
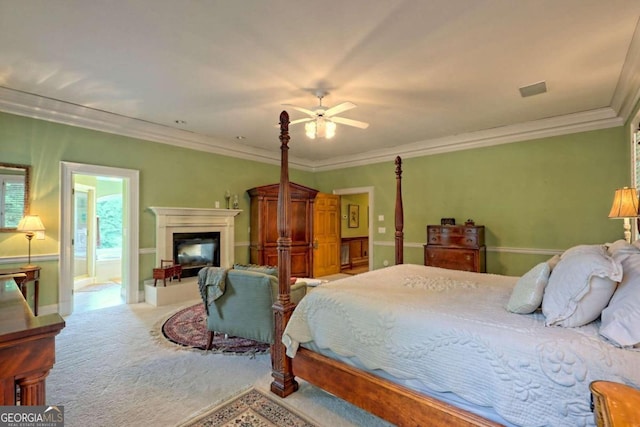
point(244, 309)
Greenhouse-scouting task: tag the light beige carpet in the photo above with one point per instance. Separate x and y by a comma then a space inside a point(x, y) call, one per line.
point(110, 370)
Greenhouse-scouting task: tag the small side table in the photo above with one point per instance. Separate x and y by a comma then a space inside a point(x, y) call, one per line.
point(615, 404)
point(167, 270)
point(32, 275)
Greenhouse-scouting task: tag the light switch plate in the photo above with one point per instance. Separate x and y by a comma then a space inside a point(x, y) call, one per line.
point(380, 218)
point(382, 230)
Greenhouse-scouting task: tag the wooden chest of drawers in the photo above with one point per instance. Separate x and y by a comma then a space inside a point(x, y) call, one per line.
point(456, 247)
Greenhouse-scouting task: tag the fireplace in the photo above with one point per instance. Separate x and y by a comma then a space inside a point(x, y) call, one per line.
point(196, 250)
point(215, 228)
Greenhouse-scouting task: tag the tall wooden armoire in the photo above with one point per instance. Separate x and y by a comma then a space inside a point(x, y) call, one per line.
point(263, 247)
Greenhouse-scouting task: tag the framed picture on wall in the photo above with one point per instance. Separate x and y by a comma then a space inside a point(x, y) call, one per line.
point(354, 216)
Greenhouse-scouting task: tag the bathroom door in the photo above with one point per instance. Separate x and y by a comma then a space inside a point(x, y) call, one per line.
point(83, 234)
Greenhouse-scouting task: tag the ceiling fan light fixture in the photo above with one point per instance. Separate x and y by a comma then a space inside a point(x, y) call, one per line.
point(320, 128)
point(330, 129)
point(310, 130)
point(323, 121)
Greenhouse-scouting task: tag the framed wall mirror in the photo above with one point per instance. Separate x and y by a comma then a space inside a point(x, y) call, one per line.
point(14, 195)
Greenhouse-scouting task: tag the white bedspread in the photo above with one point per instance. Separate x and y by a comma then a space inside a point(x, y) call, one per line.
point(449, 331)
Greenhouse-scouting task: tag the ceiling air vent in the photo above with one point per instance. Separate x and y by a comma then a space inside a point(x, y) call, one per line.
point(533, 89)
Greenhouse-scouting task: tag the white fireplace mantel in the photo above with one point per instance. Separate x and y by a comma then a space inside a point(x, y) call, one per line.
point(190, 220)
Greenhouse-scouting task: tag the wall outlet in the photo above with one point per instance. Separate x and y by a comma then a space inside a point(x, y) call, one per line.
point(382, 230)
point(380, 218)
point(39, 235)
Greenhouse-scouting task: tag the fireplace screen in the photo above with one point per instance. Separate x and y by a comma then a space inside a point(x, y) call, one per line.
point(196, 250)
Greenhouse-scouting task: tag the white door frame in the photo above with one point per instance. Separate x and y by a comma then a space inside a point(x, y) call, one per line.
point(369, 192)
point(130, 230)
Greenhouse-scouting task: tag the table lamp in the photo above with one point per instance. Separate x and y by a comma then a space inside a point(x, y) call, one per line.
point(625, 205)
point(29, 224)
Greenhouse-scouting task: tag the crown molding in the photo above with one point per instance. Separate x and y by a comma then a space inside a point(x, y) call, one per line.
point(53, 110)
point(627, 93)
point(42, 108)
point(571, 123)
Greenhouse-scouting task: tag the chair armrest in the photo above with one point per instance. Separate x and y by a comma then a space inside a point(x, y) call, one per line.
point(297, 291)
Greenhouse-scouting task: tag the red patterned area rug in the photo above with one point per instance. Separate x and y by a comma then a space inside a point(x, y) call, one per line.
point(188, 328)
point(251, 409)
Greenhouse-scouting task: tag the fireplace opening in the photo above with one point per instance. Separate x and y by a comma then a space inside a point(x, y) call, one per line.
point(196, 250)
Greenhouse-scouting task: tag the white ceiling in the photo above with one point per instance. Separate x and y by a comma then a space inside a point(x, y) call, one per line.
point(428, 75)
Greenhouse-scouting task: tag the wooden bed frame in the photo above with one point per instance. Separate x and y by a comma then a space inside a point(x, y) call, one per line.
point(392, 402)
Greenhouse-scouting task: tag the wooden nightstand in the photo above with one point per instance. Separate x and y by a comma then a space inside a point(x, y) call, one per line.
point(615, 404)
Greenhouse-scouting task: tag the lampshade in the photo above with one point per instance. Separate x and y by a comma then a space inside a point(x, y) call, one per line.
point(625, 203)
point(30, 223)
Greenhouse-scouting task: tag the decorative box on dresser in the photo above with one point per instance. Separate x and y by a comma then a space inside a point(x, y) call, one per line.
point(263, 237)
point(457, 247)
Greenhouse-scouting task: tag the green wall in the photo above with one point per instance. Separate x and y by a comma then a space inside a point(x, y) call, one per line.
point(362, 201)
point(169, 176)
point(534, 197)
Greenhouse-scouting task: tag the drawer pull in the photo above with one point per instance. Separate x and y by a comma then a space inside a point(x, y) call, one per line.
point(468, 257)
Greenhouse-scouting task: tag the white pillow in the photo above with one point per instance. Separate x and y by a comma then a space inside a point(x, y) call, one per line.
point(620, 249)
point(583, 249)
point(580, 286)
point(621, 319)
point(527, 294)
point(553, 261)
point(621, 246)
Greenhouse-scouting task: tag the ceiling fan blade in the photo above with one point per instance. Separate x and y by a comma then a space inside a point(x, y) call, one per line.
point(304, 110)
point(337, 109)
point(308, 119)
point(350, 122)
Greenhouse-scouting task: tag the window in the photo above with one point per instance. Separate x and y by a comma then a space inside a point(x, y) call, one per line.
point(109, 212)
point(12, 201)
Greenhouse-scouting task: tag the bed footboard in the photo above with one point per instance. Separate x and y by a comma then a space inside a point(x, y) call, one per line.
point(378, 396)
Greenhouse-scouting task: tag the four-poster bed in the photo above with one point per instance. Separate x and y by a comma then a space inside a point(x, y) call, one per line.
point(401, 405)
point(420, 345)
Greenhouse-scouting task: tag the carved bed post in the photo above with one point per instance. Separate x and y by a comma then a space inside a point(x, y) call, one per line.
point(283, 383)
point(399, 213)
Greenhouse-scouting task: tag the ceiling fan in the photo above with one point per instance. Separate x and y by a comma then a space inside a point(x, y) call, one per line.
point(322, 120)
